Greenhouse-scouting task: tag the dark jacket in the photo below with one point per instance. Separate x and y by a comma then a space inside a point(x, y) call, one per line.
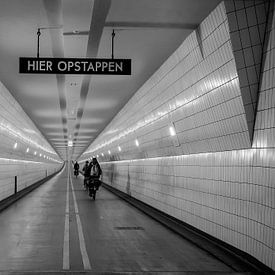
point(76, 166)
point(87, 170)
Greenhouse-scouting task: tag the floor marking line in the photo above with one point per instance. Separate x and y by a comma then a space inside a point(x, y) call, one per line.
point(83, 250)
point(74, 198)
point(85, 257)
point(67, 197)
point(66, 243)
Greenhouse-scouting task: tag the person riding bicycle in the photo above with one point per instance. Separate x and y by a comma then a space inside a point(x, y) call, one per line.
point(95, 173)
point(86, 172)
point(76, 168)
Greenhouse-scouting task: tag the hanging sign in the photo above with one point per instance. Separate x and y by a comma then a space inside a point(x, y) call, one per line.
point(33, 65)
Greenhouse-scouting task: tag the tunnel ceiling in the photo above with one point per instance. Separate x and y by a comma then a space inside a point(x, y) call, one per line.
point(79, 107)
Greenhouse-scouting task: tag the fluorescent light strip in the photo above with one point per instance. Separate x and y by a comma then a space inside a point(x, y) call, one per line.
point(25, 161)
point(17, 134)
point(236, 153)
point(160, 114)
point(19, 160)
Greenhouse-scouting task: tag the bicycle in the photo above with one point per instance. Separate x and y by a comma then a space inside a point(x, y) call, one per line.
point(76, 173)
point(93, 186)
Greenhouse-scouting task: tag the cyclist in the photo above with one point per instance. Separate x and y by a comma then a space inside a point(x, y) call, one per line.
point(87, 171)
point(76, 168)
point(94, 177)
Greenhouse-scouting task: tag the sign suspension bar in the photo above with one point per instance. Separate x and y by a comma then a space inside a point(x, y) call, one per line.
point(113, 37)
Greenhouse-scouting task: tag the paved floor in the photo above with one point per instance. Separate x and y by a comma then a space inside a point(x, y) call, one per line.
point(58, 228)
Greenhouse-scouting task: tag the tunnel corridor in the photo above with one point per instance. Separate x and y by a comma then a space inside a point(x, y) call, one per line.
point(174, 99)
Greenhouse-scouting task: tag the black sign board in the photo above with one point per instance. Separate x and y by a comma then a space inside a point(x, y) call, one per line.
point(33, 65)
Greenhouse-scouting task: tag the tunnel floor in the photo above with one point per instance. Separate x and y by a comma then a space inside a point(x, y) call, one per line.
point(41, 235)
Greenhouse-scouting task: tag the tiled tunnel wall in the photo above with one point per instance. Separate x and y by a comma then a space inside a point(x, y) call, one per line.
point(197, 90)
point(24, 152)
point(210, 175)
point(247, 24)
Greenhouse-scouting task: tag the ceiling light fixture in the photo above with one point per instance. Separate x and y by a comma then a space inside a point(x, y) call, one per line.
point(70, 143)
point(172, 131)
point(173, 134)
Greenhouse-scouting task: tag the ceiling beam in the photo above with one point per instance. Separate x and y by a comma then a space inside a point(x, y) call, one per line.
point(100, 11)
point(140, 25)
point(55, 19)
point(151, 25)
